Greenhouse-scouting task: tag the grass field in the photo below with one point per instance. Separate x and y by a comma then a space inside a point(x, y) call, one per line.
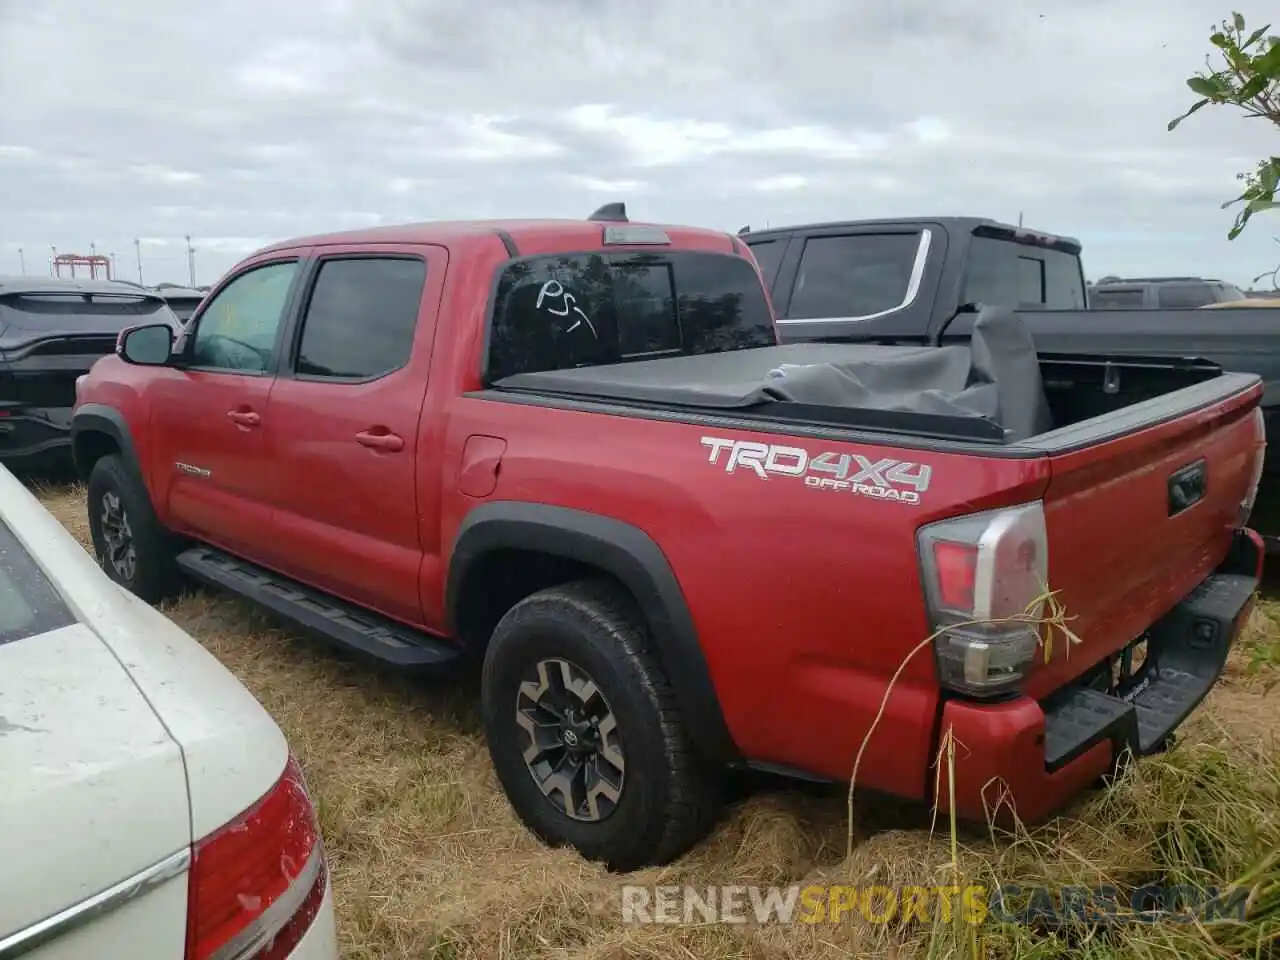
point(428, 862)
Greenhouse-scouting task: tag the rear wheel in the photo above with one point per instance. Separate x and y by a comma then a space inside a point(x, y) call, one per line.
point(585, 734)
point(132, 547)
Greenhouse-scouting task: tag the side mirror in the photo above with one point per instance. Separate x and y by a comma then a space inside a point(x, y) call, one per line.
point(150, 345)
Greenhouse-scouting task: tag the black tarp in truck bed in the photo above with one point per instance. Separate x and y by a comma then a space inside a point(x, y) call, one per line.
point(994, 377)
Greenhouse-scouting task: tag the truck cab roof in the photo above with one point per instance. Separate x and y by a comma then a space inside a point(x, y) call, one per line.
point(521, 236)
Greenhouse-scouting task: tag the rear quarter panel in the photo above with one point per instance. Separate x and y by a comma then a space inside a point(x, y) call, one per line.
point(805, 600)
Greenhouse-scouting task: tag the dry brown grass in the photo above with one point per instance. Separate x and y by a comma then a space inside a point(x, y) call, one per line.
point(428, 861)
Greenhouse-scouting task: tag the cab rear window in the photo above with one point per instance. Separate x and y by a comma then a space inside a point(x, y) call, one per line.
point(28, 603)
point(588, 309)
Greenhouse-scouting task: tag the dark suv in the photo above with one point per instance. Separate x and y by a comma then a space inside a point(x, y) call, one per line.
point(52, 330)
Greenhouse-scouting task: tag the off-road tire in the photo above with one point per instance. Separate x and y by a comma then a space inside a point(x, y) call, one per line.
point(669, 797)
point(155, 575)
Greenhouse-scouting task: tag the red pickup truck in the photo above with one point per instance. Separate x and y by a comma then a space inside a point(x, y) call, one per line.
point(574, 453)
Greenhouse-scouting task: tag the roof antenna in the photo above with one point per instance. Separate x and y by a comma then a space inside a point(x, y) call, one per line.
point(745, 230)
point(612, 212)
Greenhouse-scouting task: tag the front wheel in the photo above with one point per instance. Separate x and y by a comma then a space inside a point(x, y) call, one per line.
point(585, 733)
point(132, 547)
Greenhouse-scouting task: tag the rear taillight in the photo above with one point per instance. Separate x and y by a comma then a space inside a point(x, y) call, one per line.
point(1259, 460)
point(979, 571)
point(257, 882)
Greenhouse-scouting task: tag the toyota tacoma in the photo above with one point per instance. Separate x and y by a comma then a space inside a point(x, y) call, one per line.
point(574, 454)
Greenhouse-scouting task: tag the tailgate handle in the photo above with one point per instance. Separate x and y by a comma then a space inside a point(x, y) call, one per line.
point(1187, 487)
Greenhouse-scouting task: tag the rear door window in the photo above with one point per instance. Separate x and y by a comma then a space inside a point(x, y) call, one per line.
point(854, 276)
point(361, 317)
point(582, 309)
point(29, 605)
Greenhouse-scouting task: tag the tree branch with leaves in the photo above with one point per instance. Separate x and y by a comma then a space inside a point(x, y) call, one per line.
point(1247, 77)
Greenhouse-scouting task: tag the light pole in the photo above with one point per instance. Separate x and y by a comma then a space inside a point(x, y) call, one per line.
point(191, 261)
point(22, 261)
point(137, 246)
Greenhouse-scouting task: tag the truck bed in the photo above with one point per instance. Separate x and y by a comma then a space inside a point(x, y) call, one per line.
point(992, 388)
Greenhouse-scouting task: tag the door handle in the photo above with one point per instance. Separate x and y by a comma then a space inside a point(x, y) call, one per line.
point(244, 418)
point(380, 441)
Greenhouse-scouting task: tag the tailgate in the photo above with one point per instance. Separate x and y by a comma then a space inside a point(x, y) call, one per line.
point(1137, 519)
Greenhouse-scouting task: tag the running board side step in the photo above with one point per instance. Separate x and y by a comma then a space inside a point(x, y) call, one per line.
point(342, 623)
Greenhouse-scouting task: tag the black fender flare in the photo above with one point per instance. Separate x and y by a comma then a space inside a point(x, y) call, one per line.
point(99, 418)
point(627, 553)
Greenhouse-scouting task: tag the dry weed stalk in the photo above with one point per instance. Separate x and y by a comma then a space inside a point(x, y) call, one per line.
point(1052, 617)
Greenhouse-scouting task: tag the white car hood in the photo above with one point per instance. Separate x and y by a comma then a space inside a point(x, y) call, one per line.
point(92, 787)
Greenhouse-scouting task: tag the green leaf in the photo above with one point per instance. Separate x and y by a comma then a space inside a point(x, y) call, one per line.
point(1268, 64)
point(1219, 40)
point(1194, 107)
point(1269, 175)
point(1255, 37)
point(1238, 21)
point(1254, 87)
point(1209, 87)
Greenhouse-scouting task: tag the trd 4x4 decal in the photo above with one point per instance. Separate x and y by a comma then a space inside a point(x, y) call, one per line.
point(883, 479)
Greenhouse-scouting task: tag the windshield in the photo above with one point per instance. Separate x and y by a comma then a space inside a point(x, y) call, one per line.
point(587, 309)
point(28, 603)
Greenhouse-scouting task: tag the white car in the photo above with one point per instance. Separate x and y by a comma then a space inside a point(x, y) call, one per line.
point(150, 808)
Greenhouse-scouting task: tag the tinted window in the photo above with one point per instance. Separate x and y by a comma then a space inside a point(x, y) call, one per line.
point(768, 254)
point(237, 331)
point(361, 317)
point(853, 276)
point(1176, 295)
point(572, 310)
point(1103, 299)
point(1008, 274)
point(28, 603)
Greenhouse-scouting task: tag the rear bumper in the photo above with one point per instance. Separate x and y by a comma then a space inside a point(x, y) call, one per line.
point(1035, 756)
point(31, 435)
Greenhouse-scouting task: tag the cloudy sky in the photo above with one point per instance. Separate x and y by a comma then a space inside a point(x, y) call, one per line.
point(246, 121)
